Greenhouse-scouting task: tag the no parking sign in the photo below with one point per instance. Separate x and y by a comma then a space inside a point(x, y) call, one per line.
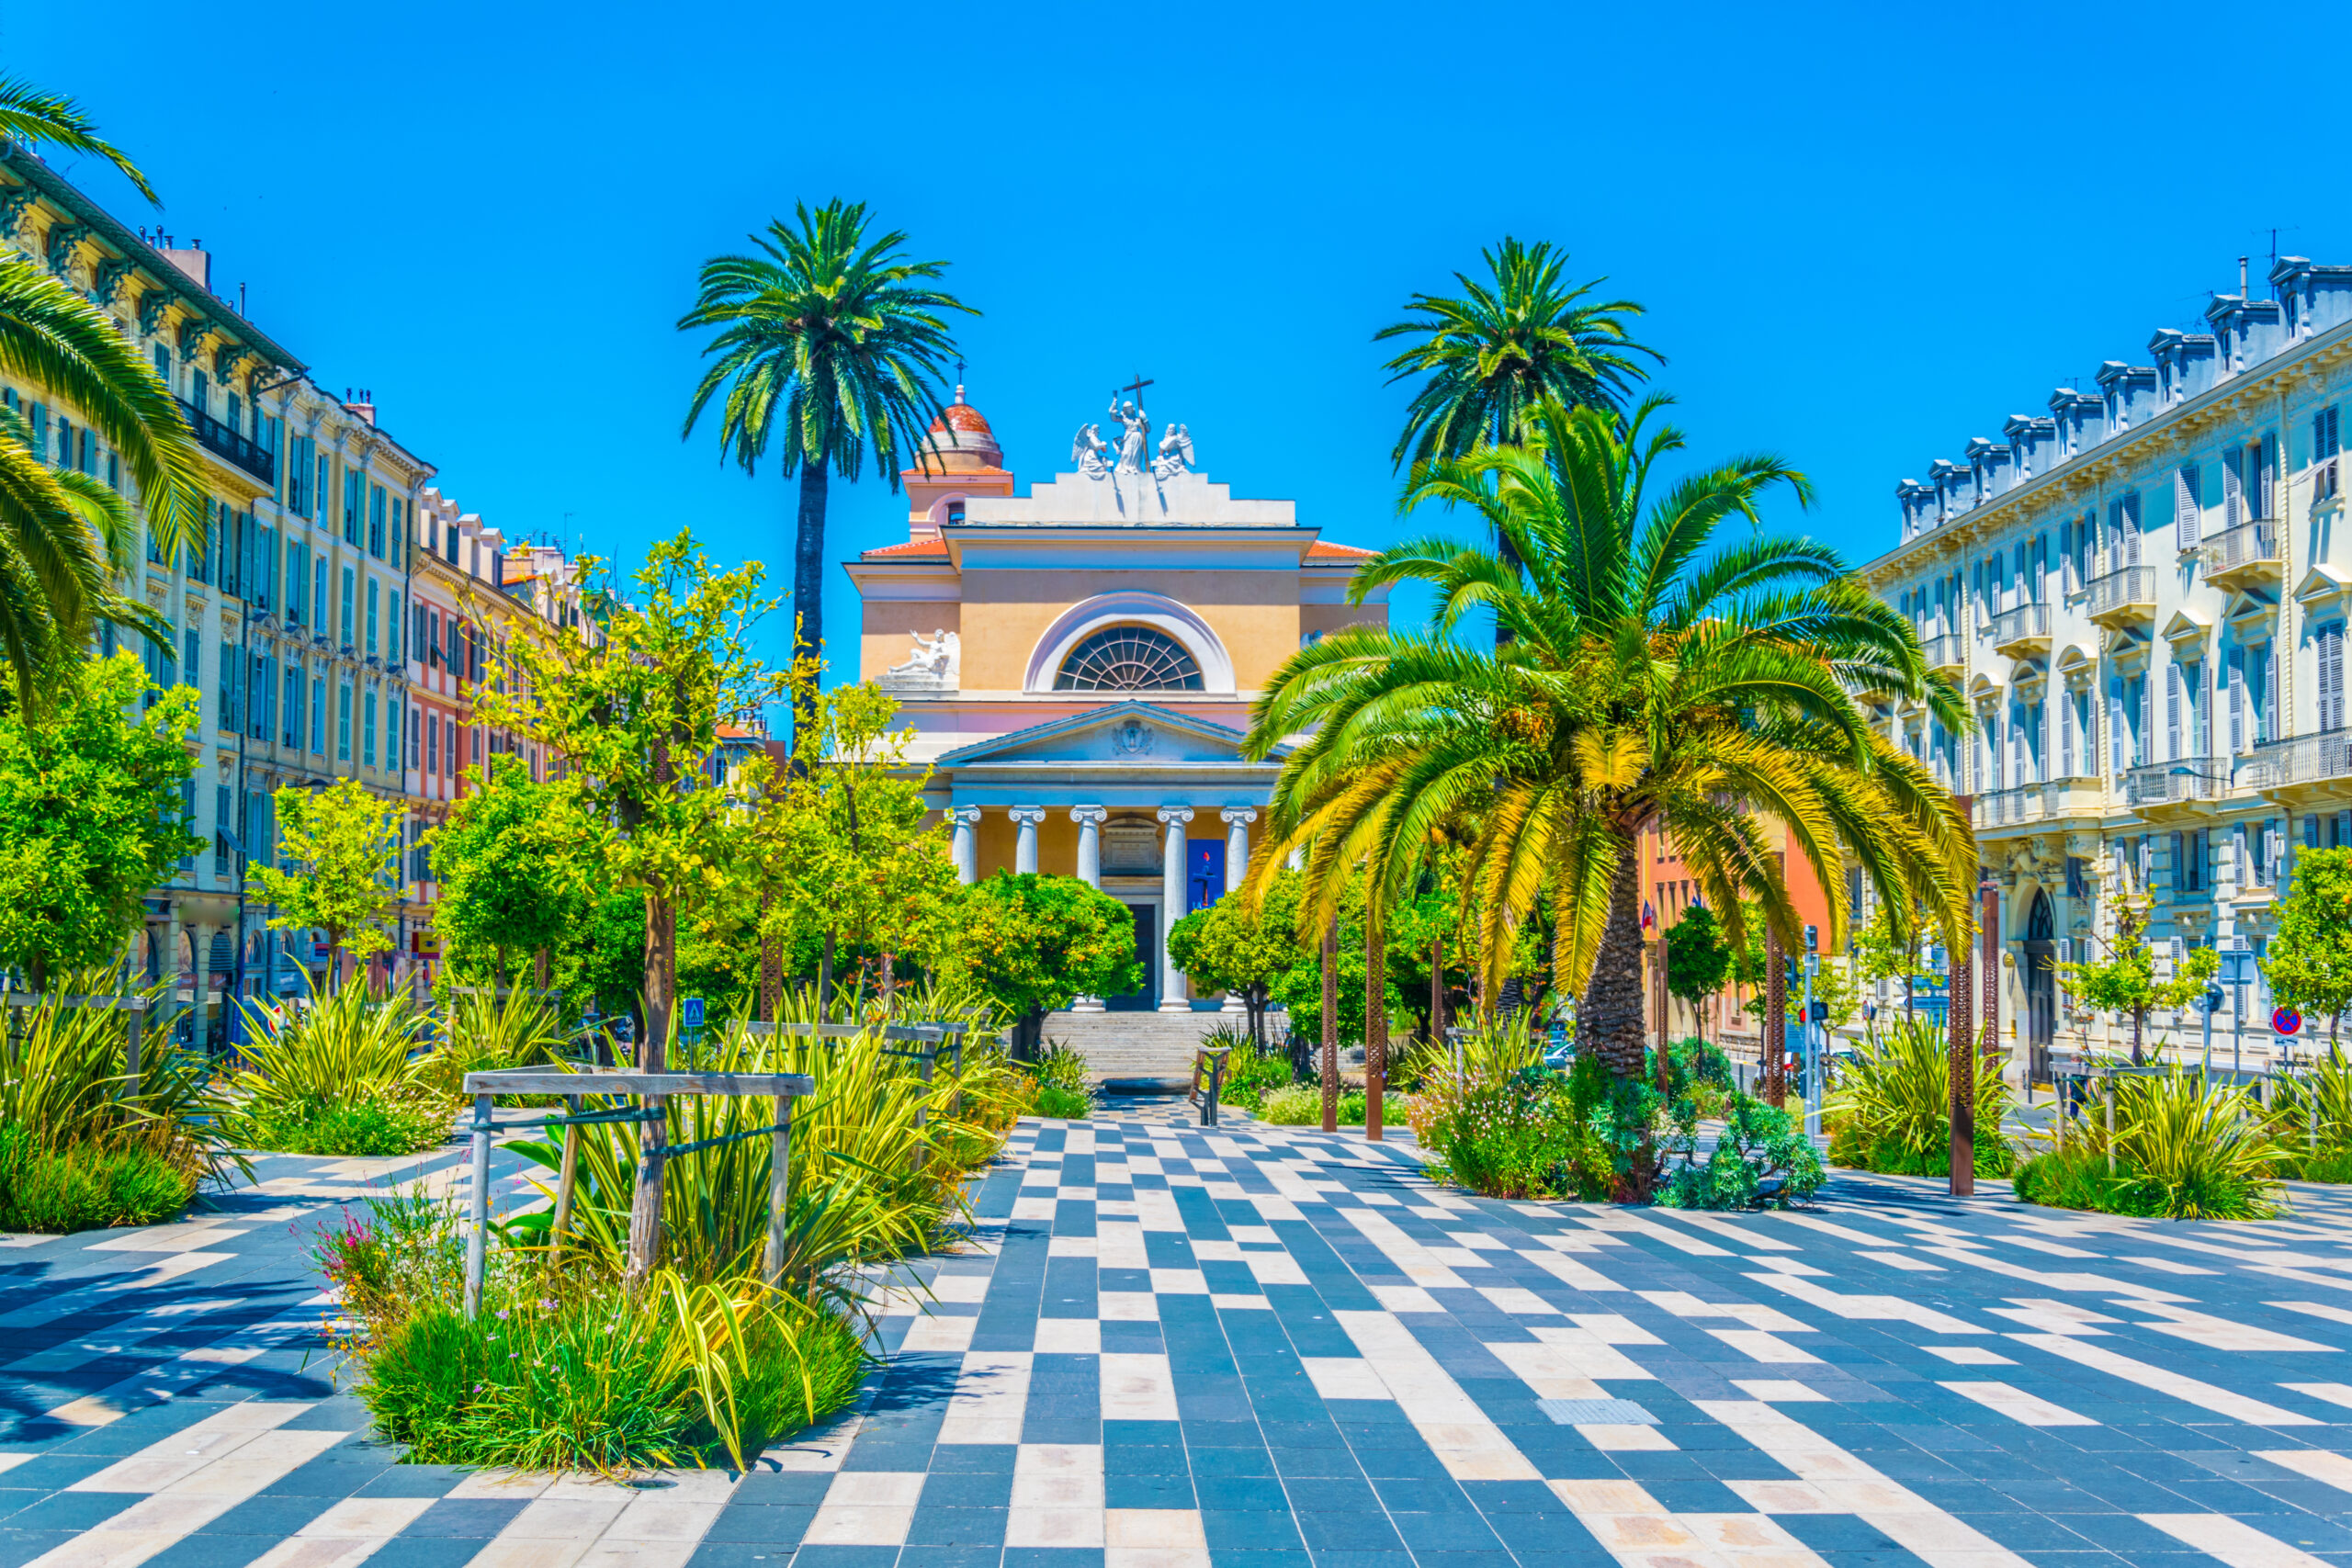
point(2286, 1021)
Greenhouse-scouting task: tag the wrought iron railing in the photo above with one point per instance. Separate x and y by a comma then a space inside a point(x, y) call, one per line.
point(2166, 783)
point(2025, 621)
point(2245, 545)
point(223, 439)
point(2304, 759)
point(2132, 585)
point(1943, 652)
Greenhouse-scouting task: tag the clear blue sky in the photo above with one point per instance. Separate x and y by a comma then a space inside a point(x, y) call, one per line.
point(1864, 234)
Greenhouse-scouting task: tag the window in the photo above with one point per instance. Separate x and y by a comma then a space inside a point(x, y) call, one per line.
point(433, 638)
point(2187, 504)
point(200, 391)
point(232, 665)
point(221, 813)
point(164, 364)
point(319, 715)
point(349, 627)
point(433, 743)
point(355, 498)
point(367, 731)
point(318, 605)
point(297, 583)
point(415, 728)
point(2327, 436)
point(302, 485)
point(376, 521)
point(2330, 639)
point(399, 533)
point(1129, 659)
point(343, 721)
point(373, 595)
point(392, 630)
point(291, 736)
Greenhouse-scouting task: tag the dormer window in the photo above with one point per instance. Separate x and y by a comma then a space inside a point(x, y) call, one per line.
point(954, 512)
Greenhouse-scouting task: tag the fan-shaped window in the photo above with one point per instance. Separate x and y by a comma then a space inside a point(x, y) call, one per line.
point(1129, 659)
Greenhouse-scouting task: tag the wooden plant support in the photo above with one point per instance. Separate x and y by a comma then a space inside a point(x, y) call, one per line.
point(135, 1006)
point(650, 1090)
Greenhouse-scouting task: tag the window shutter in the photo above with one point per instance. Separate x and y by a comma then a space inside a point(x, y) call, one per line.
point(2066, 735)
point(2233, 492)
point(2131, 528)
point(2268, 497)
point(2172, 712)
point(2331, 676)
point(2179, 864)
point(2115, 725)
point(2184, 506)
point(2237, 701)
point(2270, 690)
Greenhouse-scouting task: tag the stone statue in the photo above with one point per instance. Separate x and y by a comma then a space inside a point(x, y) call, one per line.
point(1136, 441)
point(1090, 452)
point(935, 655)
point(1175, 454)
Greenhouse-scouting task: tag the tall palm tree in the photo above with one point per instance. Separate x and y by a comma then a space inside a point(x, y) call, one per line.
point(1656, 676)
point(1510, 344)
point(65, 539)
point(830, 348)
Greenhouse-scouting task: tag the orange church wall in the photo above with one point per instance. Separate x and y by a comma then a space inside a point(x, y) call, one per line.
point(1254, 613)
point(1329, 619)
point(890, 627)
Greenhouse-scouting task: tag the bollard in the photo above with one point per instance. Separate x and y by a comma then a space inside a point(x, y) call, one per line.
point(478, 1241)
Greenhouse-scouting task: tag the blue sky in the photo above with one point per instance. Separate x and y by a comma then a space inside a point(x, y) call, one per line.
point(1863, 233)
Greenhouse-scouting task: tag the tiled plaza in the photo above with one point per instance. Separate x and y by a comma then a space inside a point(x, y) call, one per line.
point(1170, 1346)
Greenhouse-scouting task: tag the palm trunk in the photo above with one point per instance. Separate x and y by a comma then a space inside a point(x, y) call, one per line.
point(1331, 1025)
point(1375, 1025)
point(808, 590)
point(1609, 1017)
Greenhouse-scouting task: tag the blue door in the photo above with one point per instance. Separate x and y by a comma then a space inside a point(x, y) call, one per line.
point(1203, 873)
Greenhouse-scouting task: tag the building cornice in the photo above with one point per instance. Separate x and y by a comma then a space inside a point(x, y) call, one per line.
point(2087, 472)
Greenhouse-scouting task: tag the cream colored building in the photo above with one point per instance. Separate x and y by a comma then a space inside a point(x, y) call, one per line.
point(2143, 591)
point(1079, 663)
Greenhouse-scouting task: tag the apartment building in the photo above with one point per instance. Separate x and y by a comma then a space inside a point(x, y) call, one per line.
point(289, 619)
point(2143, 593)
point(470, 591)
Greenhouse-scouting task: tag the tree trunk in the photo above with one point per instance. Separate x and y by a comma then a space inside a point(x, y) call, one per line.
point(808, 590)
point(539, 969)
point(1331, 1024)
point(652, 1056)
point(1665, 1019)
point(1376, 1026)
point(2139, 1027)
point(1775, 1022)
point(889, 982)
point(825, 980)
point(771, 962)
point(1608, 1016)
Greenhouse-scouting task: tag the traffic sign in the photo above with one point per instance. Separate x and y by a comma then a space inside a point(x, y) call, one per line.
point(694, 1012)
point(2286, 1021)
point(2238, 968)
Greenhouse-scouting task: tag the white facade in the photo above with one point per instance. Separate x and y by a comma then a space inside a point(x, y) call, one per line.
point(2143, 594)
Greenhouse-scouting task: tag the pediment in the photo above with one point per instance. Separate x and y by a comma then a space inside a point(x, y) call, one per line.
point(1135, 733)
point(2320, 584)
point(2184, 627)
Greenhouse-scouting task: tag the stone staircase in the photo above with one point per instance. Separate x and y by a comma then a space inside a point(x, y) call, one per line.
point(1136, 1049)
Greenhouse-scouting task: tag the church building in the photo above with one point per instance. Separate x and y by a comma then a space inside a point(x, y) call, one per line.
point(1079, 663)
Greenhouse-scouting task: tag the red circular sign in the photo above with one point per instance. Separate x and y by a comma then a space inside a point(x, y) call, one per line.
point(2286, 1021)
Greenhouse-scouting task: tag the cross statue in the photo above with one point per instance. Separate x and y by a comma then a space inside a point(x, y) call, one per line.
point(1137, 386)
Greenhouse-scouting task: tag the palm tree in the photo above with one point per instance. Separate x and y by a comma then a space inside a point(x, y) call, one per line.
point(40, 118)
point(1507, 346)
point(831, 346)
point(64, 538)
point(1654, 677)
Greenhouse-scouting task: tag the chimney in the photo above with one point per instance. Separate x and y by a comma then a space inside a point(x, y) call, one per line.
point(364, 406)
point(193, 260)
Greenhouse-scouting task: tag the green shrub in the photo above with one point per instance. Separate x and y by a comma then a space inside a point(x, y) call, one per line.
point(1523, 1133)
point(371, 1126)
point(1068, 1104)
point(2183, 1150)
point(602, 1381)
point(358, 1047)
point(89, 1188)
point(1763, 1157)
point(1294, 1105)
point(1060, 1065)
point(2328, 1165)
point(1891, 1109)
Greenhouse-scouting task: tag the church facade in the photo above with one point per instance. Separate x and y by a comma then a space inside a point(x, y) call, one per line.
point(1079, 663)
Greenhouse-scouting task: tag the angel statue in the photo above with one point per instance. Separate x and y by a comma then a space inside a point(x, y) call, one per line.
point(933, 655)
point(1175, 454)
point(1091, 452)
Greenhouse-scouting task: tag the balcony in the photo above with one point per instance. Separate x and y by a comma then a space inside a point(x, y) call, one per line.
point(223, 441)
point(1946, 655)
point(2187, 784)
point(2243, 556)
point(2124, 598)
point(2305, 768)
point(2048, 801)
point(2022, 633)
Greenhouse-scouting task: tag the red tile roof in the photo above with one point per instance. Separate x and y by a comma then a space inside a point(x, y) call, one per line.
point(912, 547)
point(1323, 549)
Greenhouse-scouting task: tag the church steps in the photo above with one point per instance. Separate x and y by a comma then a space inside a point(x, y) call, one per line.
point(1136, 1048)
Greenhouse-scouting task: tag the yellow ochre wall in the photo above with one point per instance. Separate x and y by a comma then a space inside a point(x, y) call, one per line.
point(1254, 613)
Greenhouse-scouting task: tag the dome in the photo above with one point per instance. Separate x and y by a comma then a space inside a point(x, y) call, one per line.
point(972, 443)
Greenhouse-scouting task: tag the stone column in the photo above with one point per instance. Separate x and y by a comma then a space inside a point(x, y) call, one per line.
point(967, 822)
point(1171, 892)
point(1090, 820)
point(1024, 851)
point(1237, 821)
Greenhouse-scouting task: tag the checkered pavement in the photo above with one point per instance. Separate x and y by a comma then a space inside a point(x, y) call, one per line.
point(1248, 1346)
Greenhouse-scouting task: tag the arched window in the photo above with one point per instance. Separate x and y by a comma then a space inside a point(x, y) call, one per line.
point(1129, 659)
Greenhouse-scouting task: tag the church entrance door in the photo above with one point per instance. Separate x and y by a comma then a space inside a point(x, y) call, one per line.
point(1146, 949)
point(2041, 987)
